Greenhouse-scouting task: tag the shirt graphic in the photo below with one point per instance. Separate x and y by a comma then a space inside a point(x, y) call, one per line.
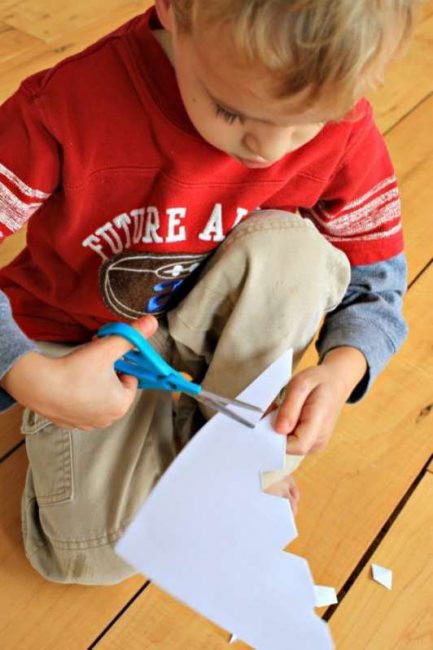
point(133, 284)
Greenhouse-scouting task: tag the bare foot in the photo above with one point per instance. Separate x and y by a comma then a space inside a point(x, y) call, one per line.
point(287, 489)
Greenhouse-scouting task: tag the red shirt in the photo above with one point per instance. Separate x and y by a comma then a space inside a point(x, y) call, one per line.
point(127, 199)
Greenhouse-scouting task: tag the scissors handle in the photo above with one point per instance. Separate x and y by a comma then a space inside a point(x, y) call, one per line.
point(144, 362)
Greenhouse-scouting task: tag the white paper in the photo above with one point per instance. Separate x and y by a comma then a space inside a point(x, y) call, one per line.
point(325, 596)
point(209, 536)
point(382, 575)
point(233, 639)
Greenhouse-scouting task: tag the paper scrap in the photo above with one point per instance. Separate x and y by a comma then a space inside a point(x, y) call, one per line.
point(274, 478)
point(382, 575)
point(233, 639)
point(325, 596)
point(209, 536)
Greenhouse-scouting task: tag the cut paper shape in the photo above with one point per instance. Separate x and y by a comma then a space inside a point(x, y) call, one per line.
point(233, 639)
point(209, 536)
point(382, 575)
point(271, 480)
point(325, 596)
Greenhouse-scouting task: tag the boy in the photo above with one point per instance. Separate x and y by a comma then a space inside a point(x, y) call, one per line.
point(162, 168)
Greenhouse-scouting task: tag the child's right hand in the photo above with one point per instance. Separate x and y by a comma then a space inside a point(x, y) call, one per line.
point(80, 390)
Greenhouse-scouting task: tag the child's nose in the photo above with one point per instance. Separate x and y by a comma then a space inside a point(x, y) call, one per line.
point(271, 144)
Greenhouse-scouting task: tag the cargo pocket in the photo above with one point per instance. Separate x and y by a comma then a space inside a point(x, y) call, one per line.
point(49, 449)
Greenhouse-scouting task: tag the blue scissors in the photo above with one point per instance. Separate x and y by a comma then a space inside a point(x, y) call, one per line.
point(153, 372)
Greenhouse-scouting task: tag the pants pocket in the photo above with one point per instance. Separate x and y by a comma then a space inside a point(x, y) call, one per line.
point(49, 449)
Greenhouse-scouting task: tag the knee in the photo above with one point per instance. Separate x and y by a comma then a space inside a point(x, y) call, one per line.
point(282, 252)
point(277, 232)
point(284, 240)
point(89, 561)
point(92, 566)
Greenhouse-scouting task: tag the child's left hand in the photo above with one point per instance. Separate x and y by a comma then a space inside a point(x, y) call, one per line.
point(314, 398)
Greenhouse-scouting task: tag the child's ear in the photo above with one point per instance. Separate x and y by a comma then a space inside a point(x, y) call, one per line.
point(165, 13)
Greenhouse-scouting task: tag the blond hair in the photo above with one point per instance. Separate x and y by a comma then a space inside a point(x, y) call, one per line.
point(316, 47)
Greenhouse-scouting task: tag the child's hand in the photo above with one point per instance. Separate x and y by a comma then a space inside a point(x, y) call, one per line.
point(80, 390)
point(314, 399)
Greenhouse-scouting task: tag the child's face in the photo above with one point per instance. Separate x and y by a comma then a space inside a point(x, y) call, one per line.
point(232, 108)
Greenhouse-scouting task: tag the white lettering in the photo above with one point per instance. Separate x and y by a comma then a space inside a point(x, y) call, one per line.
point(112, 238)
point(152, 225)
point(92, 241)
point(240, 214)
point(214, 227)
point(123, 221)
point(138, 219)
point(143, 225)
point(174, 220)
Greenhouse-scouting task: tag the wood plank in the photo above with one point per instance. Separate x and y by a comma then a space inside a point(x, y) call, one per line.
point(36, 613)
point(161, 623)
point(27, 62)
point(379, 447)
point(14, 42)
point(10, 425)
point(408, 81)
point(370, 616)
point(54, 18)
point(412, 152)
point(81, 33)
point(12, 246)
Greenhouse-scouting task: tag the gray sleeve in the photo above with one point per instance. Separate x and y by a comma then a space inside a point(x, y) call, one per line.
point(13, 345)
point(369, 318)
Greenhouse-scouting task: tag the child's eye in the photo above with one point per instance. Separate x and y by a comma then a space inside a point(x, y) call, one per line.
point(229, 117)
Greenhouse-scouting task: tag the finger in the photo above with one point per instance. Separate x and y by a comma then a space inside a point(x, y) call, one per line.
point(294, 497)
point(284, 487)
point(290, 410)
point(305, 440)
point(116, 346)
point(294, 492)
point(129, 387)
point(309, 430)
point(130, 383)
point(319, 445)
point(146, 325)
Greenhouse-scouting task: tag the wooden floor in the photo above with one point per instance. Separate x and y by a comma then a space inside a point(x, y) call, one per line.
point(369, 497)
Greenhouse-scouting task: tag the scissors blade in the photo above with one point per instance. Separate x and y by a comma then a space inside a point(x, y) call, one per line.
point(225, 411)
point(225, 401)
point(221, 404)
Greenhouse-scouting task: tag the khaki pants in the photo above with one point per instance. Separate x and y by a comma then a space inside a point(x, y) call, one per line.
point(264, 290)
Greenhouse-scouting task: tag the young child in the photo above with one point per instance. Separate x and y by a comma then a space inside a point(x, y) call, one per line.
point(213, 164)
